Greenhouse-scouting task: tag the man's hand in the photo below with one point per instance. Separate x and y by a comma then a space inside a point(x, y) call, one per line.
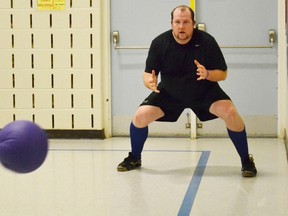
point(201, 71)
point(152, 82)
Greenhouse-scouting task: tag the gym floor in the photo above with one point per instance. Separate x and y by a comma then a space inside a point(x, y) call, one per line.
point(179, 176)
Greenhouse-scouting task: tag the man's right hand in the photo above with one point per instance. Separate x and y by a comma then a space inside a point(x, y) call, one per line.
point(152, 82)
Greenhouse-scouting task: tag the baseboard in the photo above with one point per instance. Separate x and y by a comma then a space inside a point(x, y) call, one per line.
point(256, 126)
point(75, 134)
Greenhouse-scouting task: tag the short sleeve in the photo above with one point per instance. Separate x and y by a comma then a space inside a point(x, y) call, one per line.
point(153, 61)
point(215, 58)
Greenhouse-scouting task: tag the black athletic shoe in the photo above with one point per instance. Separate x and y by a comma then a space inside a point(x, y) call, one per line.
point(248, 168)
point(129, 163)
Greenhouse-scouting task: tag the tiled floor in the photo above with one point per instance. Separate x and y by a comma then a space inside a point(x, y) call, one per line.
point(178, 177)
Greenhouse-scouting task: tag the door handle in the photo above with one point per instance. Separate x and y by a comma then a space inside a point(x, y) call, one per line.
point(201, 26)
point(116, 36)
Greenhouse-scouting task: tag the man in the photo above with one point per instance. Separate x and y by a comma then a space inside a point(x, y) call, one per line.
point(191, 64)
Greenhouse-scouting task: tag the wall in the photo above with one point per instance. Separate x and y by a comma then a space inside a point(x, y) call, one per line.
point(283, 80)
point(282, 68)
point(52, 64)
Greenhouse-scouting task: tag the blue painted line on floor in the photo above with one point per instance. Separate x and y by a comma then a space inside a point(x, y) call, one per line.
point(193, 187)
point(190, 195)
point(117, 150)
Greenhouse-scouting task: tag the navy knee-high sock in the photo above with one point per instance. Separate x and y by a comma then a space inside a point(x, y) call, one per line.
point(240, 142)
point(138, 137)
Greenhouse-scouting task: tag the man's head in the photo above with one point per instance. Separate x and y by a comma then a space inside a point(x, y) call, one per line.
point(182, 22)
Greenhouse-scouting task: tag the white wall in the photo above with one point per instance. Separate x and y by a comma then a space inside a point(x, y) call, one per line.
point(54, 65)
point(282, 69)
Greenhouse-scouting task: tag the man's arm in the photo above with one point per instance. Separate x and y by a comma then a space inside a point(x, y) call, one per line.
point(211, 75)
point(216, 75)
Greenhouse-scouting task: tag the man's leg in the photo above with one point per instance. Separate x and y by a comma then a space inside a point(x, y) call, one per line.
point(139, 127)
point(138, 135)
point(225, 110)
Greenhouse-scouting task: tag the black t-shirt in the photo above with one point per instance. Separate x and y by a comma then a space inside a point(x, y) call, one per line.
point(175, 63)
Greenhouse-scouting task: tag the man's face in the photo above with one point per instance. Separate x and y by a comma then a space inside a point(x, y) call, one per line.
point(182, 26)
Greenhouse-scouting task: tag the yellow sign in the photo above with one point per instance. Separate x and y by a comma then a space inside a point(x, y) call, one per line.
point(51, 4)
point(192, 4)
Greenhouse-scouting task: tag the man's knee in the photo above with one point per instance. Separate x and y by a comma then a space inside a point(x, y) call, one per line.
point(231, 112)
point(139, 119)
point(145, 115)
point(225, 110)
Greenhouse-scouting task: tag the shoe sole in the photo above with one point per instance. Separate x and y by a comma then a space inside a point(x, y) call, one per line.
point(124, 169)
point(248, 174)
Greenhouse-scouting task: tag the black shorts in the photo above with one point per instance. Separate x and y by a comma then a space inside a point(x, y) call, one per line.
point(173, 107)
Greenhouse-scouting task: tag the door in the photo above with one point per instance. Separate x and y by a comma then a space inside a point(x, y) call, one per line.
point(138, 22)
point(252, 72)
point(252, 76)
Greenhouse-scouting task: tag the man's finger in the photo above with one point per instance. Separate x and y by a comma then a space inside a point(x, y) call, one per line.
point(153, 73)
point(197, 63)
